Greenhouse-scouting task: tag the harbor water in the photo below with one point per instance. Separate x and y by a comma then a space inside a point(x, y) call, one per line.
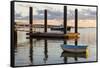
point(48, 51)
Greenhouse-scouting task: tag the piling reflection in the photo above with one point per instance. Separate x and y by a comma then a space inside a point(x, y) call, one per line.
point(65, 58)
point(31, 51)
point(76, 43)
point(15, 40)
point(45, 51)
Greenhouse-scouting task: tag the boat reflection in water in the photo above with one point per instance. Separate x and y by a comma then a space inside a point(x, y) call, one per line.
point(45, 51)
point(31, 51)
point(74, 55)
point(79, 55)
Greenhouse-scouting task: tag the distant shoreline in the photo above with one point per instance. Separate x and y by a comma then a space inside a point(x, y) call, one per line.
point(42, 26)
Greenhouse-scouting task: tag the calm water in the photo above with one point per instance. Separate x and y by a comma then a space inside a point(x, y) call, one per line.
point(50, 52)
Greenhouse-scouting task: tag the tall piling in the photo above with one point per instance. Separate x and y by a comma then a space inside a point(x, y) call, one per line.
point(30, 39)
point(76, 24)
point(30, 17)
point(76, 20)
point(45, 20)
point(65, 20)
point(76, 29)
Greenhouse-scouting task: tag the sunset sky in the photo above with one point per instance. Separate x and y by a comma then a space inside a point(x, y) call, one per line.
point(86, 15)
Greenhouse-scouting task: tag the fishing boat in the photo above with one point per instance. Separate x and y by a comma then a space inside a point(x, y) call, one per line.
point(73, 48)
point(60, 28)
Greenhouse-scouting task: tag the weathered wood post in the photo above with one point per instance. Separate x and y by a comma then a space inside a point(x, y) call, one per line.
point(45, 41)
point(76, 24)
point(30, 33)
point(30, 18)
point(76, 20)
point(65, 19)
point(76, 29)
point(45, 20)
point(65, 28)
point(65, 22)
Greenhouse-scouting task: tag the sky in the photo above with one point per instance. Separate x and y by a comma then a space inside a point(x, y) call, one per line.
point(55, 12)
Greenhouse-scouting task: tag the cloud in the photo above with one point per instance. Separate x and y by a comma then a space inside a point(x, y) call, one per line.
point(84, 14)
point(87, 14)
point(18, 16)
point(50, 14)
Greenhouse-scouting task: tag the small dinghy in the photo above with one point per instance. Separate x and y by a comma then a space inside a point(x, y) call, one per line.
point(60, 28)
point(73, 48)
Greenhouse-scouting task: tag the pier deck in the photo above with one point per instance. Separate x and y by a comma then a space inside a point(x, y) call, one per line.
point(54, 35)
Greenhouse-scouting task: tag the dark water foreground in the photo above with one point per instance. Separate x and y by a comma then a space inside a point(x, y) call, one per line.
point(50, 52)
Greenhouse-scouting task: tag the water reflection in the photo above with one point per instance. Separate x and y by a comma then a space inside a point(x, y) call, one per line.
point(15, 40)
point(65, 58)
point(31, 51)
point(76, 43)
point(45, 51)
point(48, 51)
point(64, 54)
point(78, 55)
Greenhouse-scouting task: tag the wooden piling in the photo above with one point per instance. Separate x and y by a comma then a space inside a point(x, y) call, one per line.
point(76, 20)
point(45, 20)
point(65, 19)
point(76, 24)
point(30, 39)
point(30, 22)
point(76, 29)
point(65, 22)
point(30, 18)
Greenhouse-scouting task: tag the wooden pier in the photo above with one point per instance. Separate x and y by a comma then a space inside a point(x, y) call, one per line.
point(54, 35)
point(46, 34)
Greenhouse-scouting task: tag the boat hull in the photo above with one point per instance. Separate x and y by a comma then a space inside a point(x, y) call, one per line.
point(60, 29)
point(74, 49)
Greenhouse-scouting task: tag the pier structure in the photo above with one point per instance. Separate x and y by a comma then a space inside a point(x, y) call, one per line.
point(46, 34)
